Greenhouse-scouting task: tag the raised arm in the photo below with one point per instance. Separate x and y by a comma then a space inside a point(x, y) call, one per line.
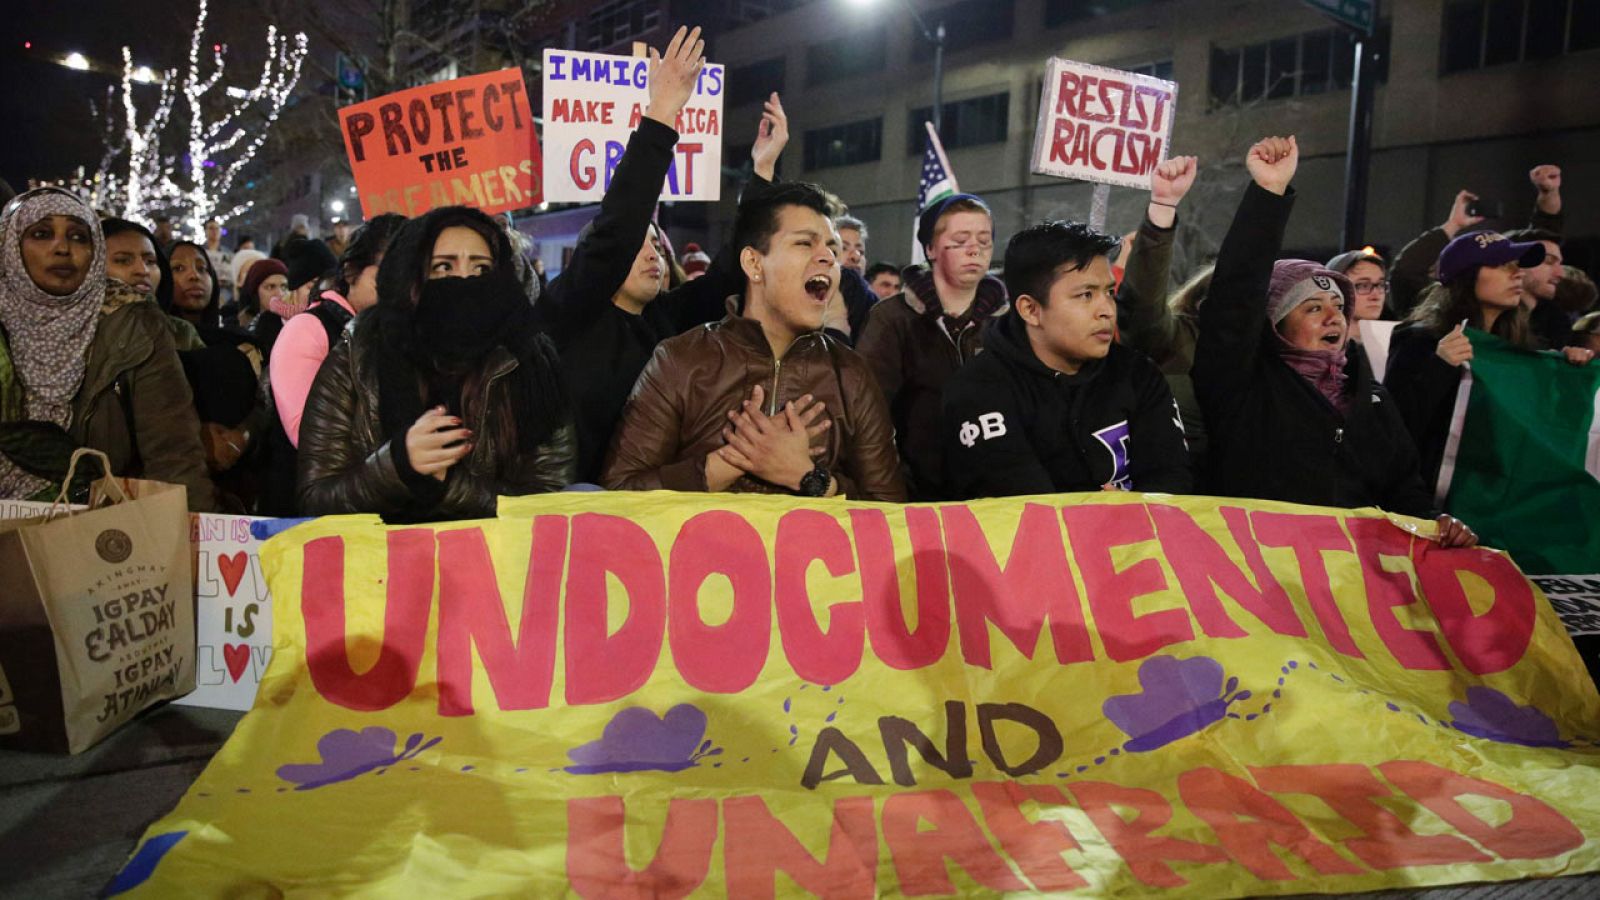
point(1233, 318)
point(601, 261)
point(1146, 322)
point(701, 300)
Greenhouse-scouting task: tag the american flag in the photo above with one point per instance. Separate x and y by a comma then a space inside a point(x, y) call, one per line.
point(938, 181)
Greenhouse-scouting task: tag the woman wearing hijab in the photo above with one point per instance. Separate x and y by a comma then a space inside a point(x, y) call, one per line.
point(84, 355)
point(443, 396)
point(1290, 415)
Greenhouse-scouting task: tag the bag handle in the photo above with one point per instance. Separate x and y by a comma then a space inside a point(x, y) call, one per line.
point(61, 503)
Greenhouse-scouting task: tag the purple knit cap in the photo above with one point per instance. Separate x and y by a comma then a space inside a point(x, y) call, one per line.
point(1295, 280)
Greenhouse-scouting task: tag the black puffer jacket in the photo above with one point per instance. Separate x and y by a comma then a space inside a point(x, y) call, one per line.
point(1015, 426)
point(1272, 435)
point(347, 463)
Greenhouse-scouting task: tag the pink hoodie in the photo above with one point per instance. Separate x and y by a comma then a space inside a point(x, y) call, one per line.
point(296, 356)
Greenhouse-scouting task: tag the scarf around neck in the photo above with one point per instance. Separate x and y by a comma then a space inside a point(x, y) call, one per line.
point(1323, 369)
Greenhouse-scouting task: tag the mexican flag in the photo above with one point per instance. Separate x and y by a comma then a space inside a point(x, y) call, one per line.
point(1522, 467)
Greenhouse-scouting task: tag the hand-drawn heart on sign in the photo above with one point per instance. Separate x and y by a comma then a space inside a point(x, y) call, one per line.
point(237, 659)
point(233, 568)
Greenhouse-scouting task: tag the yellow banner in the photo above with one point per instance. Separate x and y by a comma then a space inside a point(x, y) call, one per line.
point(672, 695)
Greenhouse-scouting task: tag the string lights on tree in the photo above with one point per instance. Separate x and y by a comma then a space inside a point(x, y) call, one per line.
point(226, 127)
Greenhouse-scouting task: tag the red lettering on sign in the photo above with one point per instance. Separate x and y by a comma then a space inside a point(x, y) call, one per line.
point(1536, 830)
point(597, 864)
point(757, 846)
point(472, 613)
point(1036, 846)
point(1096, 529)
point(1134, 839)
point(1310, 537)
point(1494, 641)
point(1035, 585)
point(408, 599)
point(726, 658)
point(583, 174)
point(1249, 823)
point(602, 667)
point(1349, 790)
point(817, 655)
point(1386, 591)
point(894, 643)
point(919, 855)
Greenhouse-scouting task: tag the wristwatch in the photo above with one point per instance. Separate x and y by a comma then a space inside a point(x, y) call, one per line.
point(815, 482)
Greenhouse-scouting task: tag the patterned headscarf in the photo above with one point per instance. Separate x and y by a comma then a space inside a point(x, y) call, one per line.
point(49, 336)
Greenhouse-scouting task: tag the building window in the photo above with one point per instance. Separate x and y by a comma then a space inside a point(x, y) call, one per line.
point(844, 145)
point(1063, 12)
point(846, 56)
point(752, 83)
point(967, 123)
point(1481, 33)
point(970, 23)
point(1161, 68)
point(1301, 65)
point(622, 20)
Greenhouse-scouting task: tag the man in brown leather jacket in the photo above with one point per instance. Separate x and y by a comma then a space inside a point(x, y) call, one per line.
point(763, 401)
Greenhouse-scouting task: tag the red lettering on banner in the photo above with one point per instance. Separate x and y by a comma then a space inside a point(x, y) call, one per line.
point(1270, 602)
point(1249, 823)
point(1386, 590)
point(1035, 585)
point(757, 846)
point(472, 613)
point(1036, 846)
point(1349, 790)
point(726, 658)
point(894, 642)
point(1536, 830)
point(1202, 566)
point(1095, 530)
point(1310, 537)
point(408, 599)
point(919, 855)
point(602, 667)
point(1133, 839)
point(817, 655)
point(1494, 641)
point(597, 865)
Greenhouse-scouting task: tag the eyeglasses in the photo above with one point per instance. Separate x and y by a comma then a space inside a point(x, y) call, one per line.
point(1364, 288)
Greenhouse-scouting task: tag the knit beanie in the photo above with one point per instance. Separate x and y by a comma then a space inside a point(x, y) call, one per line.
point(307, 259)
point(1295, 280)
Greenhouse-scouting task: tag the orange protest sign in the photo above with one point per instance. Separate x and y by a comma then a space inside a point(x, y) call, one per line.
point(468, 142)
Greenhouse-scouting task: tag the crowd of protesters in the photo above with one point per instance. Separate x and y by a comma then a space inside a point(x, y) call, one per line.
point(420, 368)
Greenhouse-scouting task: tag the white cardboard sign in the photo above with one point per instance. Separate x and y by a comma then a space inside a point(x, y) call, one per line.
point(1102, 125)
point(233, 621)
point(594, 101)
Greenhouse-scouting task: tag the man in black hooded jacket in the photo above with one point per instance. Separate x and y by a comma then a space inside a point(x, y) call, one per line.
point(1054, 403)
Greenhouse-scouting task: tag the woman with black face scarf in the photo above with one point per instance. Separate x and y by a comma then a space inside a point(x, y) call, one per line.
point(444, 395)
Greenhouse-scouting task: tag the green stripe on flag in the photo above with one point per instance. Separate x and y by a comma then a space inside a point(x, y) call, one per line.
point(1525, 472)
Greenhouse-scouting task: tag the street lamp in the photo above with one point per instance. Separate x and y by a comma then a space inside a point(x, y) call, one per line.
point(337, 206)
point(934, 36)
point(77, 61)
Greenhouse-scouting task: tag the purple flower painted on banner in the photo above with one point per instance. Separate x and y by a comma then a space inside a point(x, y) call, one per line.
point(1179, 698)
point(347, 754)
point(1492, 715)
point(636, 740)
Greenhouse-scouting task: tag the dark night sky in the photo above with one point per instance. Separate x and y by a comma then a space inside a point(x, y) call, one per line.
point(45, 106)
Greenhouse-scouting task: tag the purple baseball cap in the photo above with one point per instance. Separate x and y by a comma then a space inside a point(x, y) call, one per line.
point(1485, 248)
